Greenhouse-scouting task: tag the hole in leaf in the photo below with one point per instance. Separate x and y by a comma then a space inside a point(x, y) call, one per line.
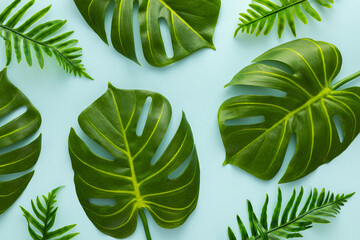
point(13, 176)
point(95, 147)
point(12, 115)
point(339, 128)
point(237, 90)
point(180, 170)
point(166, 36)
point(102, 202)
point(5, 120)
point(143, 116)
point(165, 141)
point(136, 31)
point(245, 121)
point(290, 152)
point(279, 65)
point(108, 19)
point(18, 144)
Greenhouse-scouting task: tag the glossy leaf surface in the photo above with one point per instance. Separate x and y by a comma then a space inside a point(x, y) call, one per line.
point(29, 35)
point(131, 180)
point(12, 132)
point(191, 24)
point(307, 69)
point(318, 208)
point(263, 15)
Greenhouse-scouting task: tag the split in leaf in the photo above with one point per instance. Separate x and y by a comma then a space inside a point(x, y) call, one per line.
point(40, 226)
point(304, 69)
point(191, 24)
point(21, 159)
point(30, 35)
point(131, 181)
point(316, 209)
point(262, 15)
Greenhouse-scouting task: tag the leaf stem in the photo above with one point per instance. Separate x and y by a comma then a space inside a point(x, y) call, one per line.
point(145, 223)
point(345, 80)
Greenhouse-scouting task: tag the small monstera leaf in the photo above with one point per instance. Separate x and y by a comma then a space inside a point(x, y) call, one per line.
point(131, 179)
point(23, 158)
point(308, 111)
point(191, 24)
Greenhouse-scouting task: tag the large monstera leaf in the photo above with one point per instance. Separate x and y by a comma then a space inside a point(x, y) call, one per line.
point(191, 24)
point(131, 179)
point(304, 69)
point(23, 158)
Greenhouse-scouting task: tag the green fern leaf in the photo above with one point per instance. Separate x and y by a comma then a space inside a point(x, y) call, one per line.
point(317, 208)
point(40, 225)
point(262, 15)
point(39, 37)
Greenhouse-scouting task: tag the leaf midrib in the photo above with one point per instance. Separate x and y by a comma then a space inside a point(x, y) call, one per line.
point(336, 202)
point(323, 93)
point(272, 12)
point(48, 210)
point(134, 181)
point(39, 43)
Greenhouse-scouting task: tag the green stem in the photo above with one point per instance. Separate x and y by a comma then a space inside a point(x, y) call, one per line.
point(145, 223)
point(345, 80)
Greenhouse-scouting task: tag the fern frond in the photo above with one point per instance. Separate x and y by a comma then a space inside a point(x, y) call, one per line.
point(40, 225)
point(39, 37)
point(316, 209)
point(262, 15)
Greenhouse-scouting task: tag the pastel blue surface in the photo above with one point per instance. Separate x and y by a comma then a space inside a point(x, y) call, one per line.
point(195, 86)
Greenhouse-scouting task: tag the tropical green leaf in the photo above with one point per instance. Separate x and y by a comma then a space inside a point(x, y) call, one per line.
point(21, 159)
point(316, 209)
point(304, 69)
point(131, 179)
point(191, 24)
point(30, 35)
point(262, 15)
point(40, 226)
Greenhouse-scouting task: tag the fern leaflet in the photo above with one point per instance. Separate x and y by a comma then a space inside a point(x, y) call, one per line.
point(262, 15)
point(40, 227)
point(316, 209)
point(26, 36)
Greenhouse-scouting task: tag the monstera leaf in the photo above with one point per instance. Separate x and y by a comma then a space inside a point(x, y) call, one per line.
point(304, 69)
point(191, 23)
point(132, 180)
point(21, 159)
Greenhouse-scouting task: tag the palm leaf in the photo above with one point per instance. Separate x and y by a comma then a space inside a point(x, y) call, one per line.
point(29, 35)
point(191, 24)
point(262, 15)
point(316, 209)
point(21, 159)
point(40, 225)
point(304, 69)
point(131, 178)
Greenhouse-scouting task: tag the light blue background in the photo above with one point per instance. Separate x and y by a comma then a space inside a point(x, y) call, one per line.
point(195, 86)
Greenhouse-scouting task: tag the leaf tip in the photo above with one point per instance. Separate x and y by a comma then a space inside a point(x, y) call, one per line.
point(110, 86)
